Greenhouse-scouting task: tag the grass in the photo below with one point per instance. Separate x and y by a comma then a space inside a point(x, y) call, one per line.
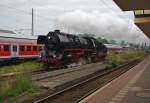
point(22, 83)
point(26, 66)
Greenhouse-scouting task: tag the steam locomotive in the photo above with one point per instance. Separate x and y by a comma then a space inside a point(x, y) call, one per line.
point(62, 49)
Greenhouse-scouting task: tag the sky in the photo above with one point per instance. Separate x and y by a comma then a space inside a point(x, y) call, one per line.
point(100, 17)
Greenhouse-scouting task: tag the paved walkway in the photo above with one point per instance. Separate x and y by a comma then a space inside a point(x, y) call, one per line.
point(132, 87)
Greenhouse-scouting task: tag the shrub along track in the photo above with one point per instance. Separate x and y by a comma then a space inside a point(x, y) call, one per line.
point(77, 92)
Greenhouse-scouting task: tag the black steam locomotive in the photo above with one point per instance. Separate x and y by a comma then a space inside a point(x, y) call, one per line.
point(63, 49)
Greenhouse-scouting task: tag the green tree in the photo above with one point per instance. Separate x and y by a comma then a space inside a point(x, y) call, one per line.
point(103, 40)
point(113, 41)
point(123, 43)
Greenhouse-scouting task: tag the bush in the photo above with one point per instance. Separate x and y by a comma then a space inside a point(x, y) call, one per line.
point(114, 60)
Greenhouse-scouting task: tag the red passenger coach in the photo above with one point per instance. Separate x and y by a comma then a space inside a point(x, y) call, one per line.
point(18, 46)
point(29, 50)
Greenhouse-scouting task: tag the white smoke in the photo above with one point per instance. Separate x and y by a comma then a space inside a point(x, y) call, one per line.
point(108, 25)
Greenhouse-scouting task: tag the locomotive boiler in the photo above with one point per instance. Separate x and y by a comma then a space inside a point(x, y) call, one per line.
point(62, 49)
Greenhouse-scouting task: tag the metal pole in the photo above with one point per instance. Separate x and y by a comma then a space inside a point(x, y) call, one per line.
point(32, 22)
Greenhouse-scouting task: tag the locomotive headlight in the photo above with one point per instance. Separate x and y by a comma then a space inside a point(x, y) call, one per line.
point(54, 56)
point(49, 37)
point(69, 55)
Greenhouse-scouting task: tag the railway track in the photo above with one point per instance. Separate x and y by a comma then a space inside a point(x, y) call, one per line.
point(77, 92)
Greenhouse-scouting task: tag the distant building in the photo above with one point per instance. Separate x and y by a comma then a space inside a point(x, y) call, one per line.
point(114, 48)
point(127, 47)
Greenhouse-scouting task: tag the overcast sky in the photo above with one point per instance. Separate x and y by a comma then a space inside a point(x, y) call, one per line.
point(100, 17)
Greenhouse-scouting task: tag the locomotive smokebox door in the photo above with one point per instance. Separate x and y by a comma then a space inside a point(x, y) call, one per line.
point(41, 39)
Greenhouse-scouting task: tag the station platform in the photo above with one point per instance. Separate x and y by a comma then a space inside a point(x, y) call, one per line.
point(64, 77)
point(131, 87)
point(63, 71)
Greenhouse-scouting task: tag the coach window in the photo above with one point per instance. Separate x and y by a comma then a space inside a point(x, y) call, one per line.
point(28, 48)
point(34, 48)
point(6, 48)
point(22, 48)
point(14, 48)
point(0, 48)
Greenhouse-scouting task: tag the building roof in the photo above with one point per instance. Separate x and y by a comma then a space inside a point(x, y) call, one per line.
point(18, 36)
point(128, 5)
point(7, 31)
point(143, 20)
point(13, 38)
point(113, 46)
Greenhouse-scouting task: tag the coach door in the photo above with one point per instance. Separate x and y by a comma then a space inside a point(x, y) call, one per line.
point(14, 51)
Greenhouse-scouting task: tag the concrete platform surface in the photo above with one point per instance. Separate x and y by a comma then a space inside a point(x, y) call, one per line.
point(131, 87)
point(62, 71)
point(56, 81)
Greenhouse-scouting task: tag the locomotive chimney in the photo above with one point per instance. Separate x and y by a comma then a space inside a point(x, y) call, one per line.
point(57, 31)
